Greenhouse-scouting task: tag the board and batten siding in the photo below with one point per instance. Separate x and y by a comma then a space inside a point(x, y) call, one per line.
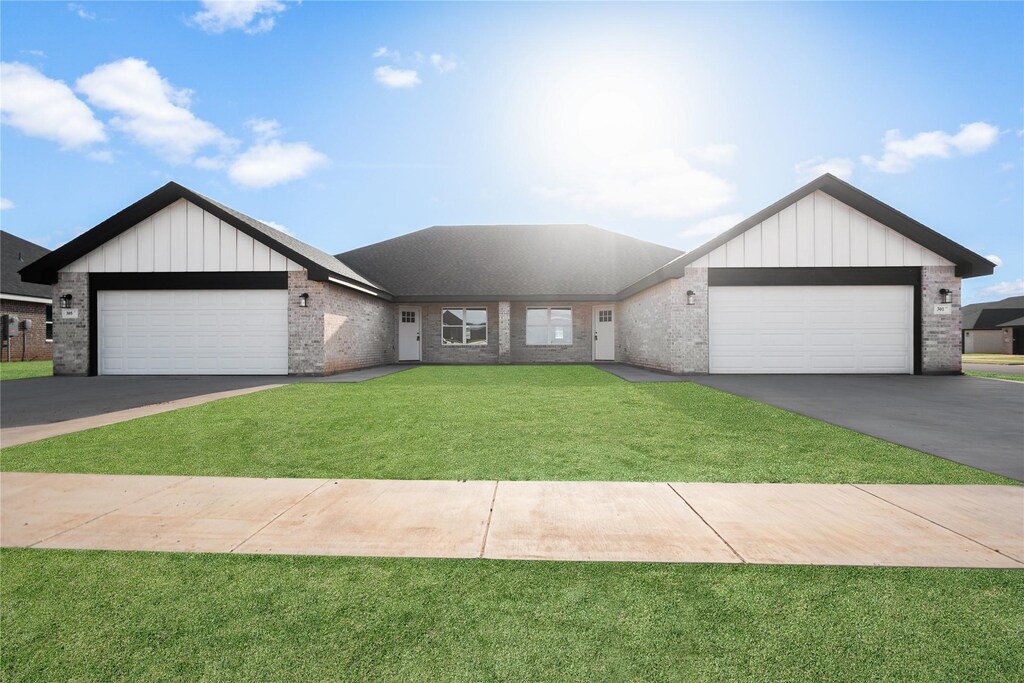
point(819, 231)
point(181, 237)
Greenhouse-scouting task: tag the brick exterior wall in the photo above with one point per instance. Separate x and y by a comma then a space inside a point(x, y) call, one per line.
point(504, 332)
point(940, 334)
point(71, 336)
point(474, 354)
point(30, 345)
point(580, 351)
point(658, 329)
point(340, 328)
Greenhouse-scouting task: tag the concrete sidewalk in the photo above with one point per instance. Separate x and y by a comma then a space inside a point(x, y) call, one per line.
point(883, 525)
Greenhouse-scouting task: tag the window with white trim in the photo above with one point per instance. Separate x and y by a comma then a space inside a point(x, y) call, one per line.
point(548, 326)
point(464, 326)
point(49, 323)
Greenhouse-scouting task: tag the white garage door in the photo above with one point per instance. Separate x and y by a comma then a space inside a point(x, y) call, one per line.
point(830, 329)
point(193, 332)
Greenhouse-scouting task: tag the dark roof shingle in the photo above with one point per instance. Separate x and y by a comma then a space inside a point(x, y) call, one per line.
point(990, 315)
point(508, 261)
point(15, 254)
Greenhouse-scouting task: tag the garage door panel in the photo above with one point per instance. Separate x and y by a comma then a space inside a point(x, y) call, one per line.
point(193, 332)
point(811, 329)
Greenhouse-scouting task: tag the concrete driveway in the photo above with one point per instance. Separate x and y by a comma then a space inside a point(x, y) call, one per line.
point(974, 421)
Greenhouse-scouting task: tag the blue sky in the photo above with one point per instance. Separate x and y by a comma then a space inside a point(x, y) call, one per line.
point(352, 123)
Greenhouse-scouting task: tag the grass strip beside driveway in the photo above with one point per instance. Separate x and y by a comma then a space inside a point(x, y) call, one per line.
point(510, 423)
point(995, 375)
point(26, 369)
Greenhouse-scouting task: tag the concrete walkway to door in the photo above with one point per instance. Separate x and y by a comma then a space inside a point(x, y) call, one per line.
point(881, 525)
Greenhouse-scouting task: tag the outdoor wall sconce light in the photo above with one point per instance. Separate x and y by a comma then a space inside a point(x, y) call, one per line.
point(691, 297)
point(65, 301)
point(947, 296)
point(303, 299)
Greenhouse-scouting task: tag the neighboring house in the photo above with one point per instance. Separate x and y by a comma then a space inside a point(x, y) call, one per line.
point(827, 280)
point(994, 326)
point(26, 300)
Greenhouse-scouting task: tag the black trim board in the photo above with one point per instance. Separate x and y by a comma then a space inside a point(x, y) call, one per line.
point(749, 277)
point(792, 277)
point(166, 281)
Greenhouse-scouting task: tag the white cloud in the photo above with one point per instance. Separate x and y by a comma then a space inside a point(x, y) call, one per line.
point(81, 11)
point(264, 129)
point(34, 53)
point(272, 162)
point(250, 16)
point(809, 169)
point(46, 108)
point(396, 78)
point(5, 204)
point(711, 226)
point(660, 184)
point(899, 153)
point(443, 64)
point(1007, 166)
point(717, 154)
point(276, 226)
point(995, 259)
point(1005, 288)
point(211, 163)
point(383, 51)
point(149, 109)
point(104, 155)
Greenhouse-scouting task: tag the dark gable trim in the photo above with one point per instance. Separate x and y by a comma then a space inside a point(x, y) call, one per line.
point(44, 270)
point(783, 277)
point(109, 281)
point(968, 263)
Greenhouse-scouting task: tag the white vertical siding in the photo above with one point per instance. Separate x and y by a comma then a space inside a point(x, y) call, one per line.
point(819, 230)
point(147, 250)
point(179, 234)
point(770, 242)
point(805, 231)
point(181, 237)
point(211, 242)
point(194, 238)
point(787, 237)
point(822, 229)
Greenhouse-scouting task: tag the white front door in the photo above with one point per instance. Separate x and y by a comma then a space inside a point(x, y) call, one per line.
point(811, 329)
point(193, 332)
point(604, 333)
point(409, 333)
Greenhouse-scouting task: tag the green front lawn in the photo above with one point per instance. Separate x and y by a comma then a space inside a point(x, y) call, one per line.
point(518, 422)
point(995, 375)
point(112, 616)
point(26, 369)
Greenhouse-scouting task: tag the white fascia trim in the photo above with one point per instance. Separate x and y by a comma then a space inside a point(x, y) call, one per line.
point(30, 299)
point(349, 284)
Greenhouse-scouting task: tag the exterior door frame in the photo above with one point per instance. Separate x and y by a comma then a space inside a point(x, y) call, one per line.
point(593, 323)
point(419, 334)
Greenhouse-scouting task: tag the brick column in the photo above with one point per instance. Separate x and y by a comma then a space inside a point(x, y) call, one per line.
point(940, 333)
point(305, 325)
point(504, 332)
point(689, 323)
point(71, 335)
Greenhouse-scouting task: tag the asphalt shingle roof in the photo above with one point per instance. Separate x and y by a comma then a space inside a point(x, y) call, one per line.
point(508, 261)
point(15, 254)
point(990, 315)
